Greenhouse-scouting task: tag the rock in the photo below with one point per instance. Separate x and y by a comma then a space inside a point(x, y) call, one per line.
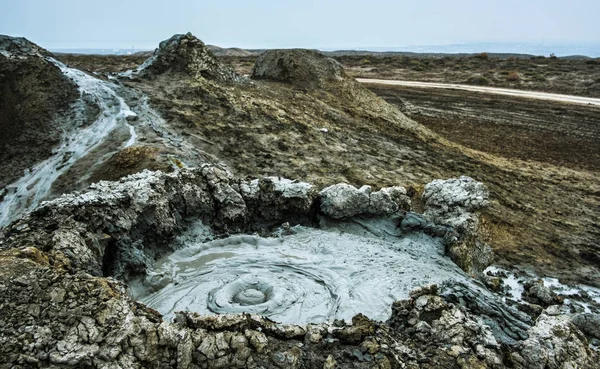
point(344, 201)
point(495, 284)
point(457, 203)
point(330, 363)
point(388, 201)
point(230, 202)
point(536, 293)
point(299, 67)
point(554, 342)
point(588, 323)
point(507, 324)
point(414, 222)
point(186, 55)
point(455, 199)
point(20, 48)
point(361, 328)
point(430, 289)
point(258, 340)
point(449, 330)
point(315, 333)
point(274, 200)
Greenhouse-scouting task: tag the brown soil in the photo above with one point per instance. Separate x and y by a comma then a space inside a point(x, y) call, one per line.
point(103, 63)
point(565, 76)
point(528, 129)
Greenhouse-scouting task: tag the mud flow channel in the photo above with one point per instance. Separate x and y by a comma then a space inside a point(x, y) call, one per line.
point(310, 276)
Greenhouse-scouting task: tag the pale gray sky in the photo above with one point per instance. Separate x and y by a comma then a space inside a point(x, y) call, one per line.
point(309, 23)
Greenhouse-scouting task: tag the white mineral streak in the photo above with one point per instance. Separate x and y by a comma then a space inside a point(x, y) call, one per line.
point(515, 286)
point(78, 140)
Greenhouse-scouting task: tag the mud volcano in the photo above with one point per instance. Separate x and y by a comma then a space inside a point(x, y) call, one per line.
point(309, 276)
point(203, 241)
point(355, 258)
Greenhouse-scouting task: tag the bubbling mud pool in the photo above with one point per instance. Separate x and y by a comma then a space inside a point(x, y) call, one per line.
point(310, 276)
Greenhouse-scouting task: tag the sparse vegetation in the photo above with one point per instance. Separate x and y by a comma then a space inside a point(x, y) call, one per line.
point(564, 76)
point(479, 81)
point(513, 76)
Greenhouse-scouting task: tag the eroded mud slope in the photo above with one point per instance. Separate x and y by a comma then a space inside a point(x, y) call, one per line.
point(33, 94)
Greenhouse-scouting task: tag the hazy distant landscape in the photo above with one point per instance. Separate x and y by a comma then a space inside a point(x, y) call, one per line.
point(585, 50)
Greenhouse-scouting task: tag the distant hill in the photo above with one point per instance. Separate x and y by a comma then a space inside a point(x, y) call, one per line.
point(232, 51)
point(464, 50)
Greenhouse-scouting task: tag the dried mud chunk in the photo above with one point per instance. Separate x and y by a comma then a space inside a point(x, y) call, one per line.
point(361, 327)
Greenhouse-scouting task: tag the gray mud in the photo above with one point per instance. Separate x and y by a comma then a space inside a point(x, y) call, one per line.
point(310, 276)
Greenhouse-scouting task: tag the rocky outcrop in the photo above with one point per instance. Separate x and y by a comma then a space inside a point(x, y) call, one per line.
point(452, 335)
point(457, 203)
point(588, 323)
point(33, 92)
point(299, 67)
point(536, 293)
point(117, 228)
point(554, 342)
point(508, 324)
point(273, 200)
point(20, 48)
point(186, 55)
point(345, 201)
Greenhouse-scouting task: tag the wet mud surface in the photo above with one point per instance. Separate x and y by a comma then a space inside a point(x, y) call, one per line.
point(310, 276)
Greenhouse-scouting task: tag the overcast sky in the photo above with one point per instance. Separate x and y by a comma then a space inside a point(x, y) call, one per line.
point(309, 23)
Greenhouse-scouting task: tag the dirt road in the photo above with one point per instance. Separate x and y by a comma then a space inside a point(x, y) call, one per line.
point(490, 90)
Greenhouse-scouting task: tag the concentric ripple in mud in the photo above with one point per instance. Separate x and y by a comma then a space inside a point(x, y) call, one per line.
point(311, 276)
